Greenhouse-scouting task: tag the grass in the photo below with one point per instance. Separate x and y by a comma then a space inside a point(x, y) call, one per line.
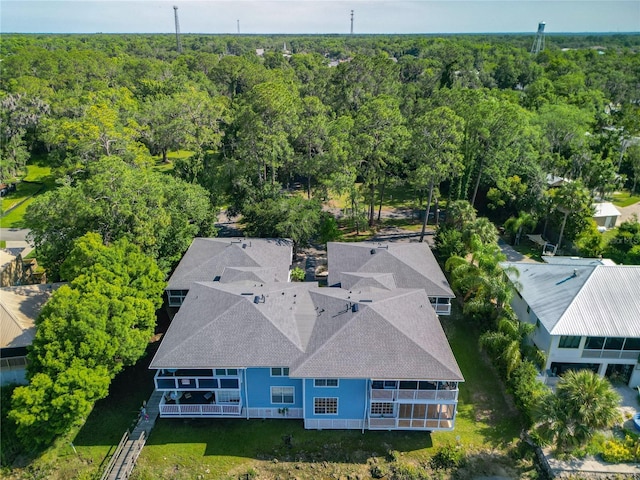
point(528, 248)
point(221, 449)
point(42, 180)
point(624, 199)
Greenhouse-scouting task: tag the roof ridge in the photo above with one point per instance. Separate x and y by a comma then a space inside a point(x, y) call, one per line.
point(573, 300)
point(406, 293)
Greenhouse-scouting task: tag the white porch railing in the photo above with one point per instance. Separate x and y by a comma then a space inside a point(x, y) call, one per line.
point(442, 309)
point(426, 395)
point(333, 424)
point(197, 410)
point(410, 424)
point(275, 413)
point(617, 354)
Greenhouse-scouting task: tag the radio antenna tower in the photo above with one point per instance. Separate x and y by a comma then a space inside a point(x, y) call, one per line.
point(351, 22)
point(238, 25)
point(538, 42)
point(178, 41)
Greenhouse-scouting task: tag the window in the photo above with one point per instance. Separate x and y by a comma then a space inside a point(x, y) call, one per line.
point(280, 372)
point(569, 341)
point(228, 383)
point(176, 297)
point(382, 408)
point(223, 372)
point(613, 343)
point(408, 385)
point(282, 394)
point(632, 344)
point(325, 406)
point(325, 382)
point(594, 343)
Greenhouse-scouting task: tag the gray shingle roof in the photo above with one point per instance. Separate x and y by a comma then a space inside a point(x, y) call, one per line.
point(412, 264)
point(315, 331)
point(208, 258)
point(600, 300)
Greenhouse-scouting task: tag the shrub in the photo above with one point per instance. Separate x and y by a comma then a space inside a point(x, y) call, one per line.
point(622, 451)
point(448, 456)
point(297, 274)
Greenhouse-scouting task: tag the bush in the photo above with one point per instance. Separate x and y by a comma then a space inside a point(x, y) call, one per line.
point(622, 451)
point(297, 274)
point(448, 456)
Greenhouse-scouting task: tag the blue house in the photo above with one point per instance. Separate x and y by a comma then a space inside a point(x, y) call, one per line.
point(368, 357)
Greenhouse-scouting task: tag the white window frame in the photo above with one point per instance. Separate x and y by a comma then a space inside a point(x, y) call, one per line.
point(176, 297)
point(317, 382)
point(315, 407)
point(282, 372)
point(282, 395)
point(226, 372)
point(383, 414)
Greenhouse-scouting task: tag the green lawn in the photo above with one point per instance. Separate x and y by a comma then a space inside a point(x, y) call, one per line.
point(185, 449)
point(528, 248)
point(227, 448)
point(624, 199)
point(25, 192)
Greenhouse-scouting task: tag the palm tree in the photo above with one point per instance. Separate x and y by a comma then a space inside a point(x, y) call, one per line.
point(582, 403)
point(517, 225)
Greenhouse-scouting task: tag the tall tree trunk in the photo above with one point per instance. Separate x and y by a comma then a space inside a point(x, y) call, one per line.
point(165, 159)
point(384, 184)
point(475, 190)
point(372, 204)
point(437, 212)
point(426, 211)
point(564, 222)
point(309, 187)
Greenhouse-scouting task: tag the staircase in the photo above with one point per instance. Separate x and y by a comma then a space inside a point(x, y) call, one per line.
point(124, 459)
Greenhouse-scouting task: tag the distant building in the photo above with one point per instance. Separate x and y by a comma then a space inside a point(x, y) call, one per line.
point(606, 214)
point(19, 308)
point(586, 313)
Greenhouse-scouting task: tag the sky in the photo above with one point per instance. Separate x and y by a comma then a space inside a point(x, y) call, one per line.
point(319, 16)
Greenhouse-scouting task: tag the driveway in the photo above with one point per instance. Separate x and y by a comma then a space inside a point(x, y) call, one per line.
point(511, 254)
point(627, 212)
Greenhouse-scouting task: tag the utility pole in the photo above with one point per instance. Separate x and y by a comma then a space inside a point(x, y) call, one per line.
point(178, 41)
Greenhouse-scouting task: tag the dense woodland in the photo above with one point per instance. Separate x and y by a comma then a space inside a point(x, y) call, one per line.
point(467, 117)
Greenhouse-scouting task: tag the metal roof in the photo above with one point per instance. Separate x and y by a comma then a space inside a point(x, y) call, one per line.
point(605, 209)
point(592, 300)
point(412, 265)
point(577, 260)
point(316, 332)
point(265, 259)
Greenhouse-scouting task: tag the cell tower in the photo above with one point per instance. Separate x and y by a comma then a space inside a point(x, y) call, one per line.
point(238, 26)
point(538, 42)
point(178, 41)
point(351, 22)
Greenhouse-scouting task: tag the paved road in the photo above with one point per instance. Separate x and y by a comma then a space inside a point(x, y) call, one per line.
point(13, 234)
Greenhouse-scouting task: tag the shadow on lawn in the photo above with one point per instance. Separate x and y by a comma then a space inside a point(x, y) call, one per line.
point(284, 440)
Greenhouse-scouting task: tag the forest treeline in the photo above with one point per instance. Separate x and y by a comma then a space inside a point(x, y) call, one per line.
point(459, 117)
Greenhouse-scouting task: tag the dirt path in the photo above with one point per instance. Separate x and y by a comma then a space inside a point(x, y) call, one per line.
point(628, 212)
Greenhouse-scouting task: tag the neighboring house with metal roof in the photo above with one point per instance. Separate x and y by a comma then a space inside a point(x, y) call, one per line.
point(606, 214)
point(263, 260)
point(19, 308)
point(586, 315)
point(365, 358)
point(370, 355)
point(389, 265)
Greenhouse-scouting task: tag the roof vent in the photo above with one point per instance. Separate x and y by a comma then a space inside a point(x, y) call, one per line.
point(244, 245)
point(355, 307)
point(575, 272)
point(258, 299)
point(373, 251)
